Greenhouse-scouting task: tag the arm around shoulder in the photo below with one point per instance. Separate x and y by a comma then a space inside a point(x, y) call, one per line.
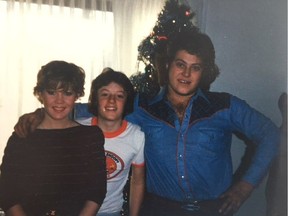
point(28, 122)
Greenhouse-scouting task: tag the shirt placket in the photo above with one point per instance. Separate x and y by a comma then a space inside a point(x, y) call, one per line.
point(181, 160)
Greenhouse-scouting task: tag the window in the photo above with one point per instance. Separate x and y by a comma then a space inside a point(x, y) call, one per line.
point(32, 35)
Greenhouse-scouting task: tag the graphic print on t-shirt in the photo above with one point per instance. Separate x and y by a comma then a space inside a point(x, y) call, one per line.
point(114, 164)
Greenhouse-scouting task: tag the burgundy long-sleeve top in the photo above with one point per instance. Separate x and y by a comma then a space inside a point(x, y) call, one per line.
point(55, 169)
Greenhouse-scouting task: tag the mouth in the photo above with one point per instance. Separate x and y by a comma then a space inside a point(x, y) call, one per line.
point(59, 109)
point(110, 109)
point(186, 82)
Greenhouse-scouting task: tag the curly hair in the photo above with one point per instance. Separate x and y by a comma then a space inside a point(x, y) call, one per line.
point(105, 78)
point(60, 75)
point(199, 44)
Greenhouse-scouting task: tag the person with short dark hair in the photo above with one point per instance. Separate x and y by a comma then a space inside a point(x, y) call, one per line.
point(111, 99)
point(59, 169)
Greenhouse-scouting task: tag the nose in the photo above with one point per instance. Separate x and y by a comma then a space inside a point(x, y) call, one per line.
point(59, 97)
point(186, 72)
point(111, 98)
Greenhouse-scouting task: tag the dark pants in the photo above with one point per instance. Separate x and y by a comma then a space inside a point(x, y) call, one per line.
point(157, 206)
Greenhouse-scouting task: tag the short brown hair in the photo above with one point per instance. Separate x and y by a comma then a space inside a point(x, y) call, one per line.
point(105, 78)
point(61, 74)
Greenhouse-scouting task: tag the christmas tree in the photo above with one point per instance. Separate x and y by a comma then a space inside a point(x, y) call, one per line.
point(173, 18)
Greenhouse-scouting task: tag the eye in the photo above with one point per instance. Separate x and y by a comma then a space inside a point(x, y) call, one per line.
point(50, 92)
point(68, 93)
point(103, 95)
point(180, 64)
point(196, 67)
point(120, 96)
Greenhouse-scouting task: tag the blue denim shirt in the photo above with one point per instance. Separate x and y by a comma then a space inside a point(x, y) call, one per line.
point(192, 160)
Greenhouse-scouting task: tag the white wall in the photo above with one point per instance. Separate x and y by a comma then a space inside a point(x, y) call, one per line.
point(250, 38)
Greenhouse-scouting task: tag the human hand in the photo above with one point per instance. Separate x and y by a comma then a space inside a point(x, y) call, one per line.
point(235, 197)
point(27, 123)
point(90, 208)
point(15, 210)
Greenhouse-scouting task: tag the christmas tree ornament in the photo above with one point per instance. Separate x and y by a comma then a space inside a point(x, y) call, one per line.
point(173, 18)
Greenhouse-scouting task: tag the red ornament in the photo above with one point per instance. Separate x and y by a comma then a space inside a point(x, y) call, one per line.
point(162, 37)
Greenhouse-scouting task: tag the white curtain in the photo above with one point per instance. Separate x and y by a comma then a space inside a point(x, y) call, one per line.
point(90, 33)
point(134, 20)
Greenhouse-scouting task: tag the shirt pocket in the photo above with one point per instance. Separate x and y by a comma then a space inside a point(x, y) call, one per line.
point(153, 130)
point(209, 141)
point(160, 138)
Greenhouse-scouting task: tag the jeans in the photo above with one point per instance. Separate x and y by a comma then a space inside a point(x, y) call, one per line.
point(158, 206)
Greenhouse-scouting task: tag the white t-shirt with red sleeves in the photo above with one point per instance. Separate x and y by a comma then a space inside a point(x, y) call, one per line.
point(123, 148)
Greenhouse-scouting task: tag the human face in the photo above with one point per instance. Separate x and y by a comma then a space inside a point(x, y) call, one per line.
point(111, 102)
point(58, 103)
point(185, 73)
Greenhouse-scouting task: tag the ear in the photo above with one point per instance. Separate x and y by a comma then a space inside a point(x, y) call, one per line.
point(39, 97)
